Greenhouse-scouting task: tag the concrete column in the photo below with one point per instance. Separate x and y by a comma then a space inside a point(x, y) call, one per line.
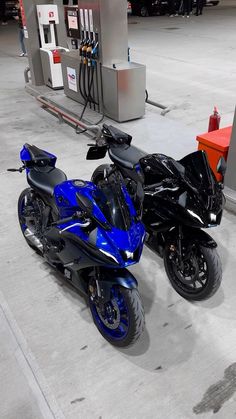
point(230, 177)
point(61, 28)
point(33, 40)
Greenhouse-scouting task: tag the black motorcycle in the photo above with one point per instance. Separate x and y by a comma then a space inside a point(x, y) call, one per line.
point(175, 199)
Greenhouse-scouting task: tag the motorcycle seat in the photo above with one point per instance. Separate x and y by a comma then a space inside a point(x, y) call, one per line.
point(46, 181)
point(126, 156)
point(38, 155)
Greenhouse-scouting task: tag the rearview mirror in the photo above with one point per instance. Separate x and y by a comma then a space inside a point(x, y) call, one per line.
point(87, 206)
point(96, 153)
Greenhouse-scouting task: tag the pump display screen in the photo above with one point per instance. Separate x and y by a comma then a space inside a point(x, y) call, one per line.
point(73, 20)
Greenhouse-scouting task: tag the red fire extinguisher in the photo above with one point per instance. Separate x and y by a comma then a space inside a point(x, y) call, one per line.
point(214, 120)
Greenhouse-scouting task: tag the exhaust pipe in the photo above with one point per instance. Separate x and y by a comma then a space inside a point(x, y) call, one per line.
point(33, 239)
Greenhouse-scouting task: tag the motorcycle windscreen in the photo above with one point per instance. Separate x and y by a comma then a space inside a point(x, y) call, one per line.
point(198, 171)
point(111, 201)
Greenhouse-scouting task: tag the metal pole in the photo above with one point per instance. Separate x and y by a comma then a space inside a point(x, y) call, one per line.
point(62, 113)
point(26, 74)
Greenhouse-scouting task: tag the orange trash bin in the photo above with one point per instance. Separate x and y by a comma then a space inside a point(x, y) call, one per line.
point(216, 145)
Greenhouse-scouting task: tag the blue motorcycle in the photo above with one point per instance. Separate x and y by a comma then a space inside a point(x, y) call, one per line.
point(90, 234)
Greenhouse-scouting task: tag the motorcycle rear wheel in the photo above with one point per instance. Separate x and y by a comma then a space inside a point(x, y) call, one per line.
point(201, 276)
point(121, 319)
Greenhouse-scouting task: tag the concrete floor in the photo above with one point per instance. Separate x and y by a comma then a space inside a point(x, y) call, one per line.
point(190, 62)
point(53, 362)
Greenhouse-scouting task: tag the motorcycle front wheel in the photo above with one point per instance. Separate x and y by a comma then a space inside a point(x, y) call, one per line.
point(121, 319)
point(98, 174)
point(200, 275)
point(26, 210)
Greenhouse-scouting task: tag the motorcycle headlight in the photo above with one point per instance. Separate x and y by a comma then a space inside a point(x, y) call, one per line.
point(128, 254)
point(109, 255)
point(213, 217)
point(194, 215)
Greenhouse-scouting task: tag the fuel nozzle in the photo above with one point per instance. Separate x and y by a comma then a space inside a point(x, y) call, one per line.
point(89, 52)
point(82, 43)
point(84, 51)
point(95, 50)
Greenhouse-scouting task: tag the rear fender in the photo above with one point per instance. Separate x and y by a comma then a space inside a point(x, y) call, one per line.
point(111, 277)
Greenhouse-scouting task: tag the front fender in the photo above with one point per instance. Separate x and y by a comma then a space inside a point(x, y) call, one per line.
point(195, 235)
point(111, 277)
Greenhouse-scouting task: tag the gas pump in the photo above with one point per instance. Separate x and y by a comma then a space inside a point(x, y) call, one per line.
point(49, 51)
point(97, 72)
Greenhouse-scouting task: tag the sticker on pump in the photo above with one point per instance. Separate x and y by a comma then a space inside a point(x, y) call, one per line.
point(71, 78)
point(50, 14)
point(72, 22)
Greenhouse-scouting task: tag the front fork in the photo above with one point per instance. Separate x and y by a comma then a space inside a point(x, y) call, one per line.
point(96, 292)
point(183, 253)
point(104, 279)
point(180, 239)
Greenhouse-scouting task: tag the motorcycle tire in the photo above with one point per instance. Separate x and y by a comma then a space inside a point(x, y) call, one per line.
point(206, 279)
point(121, 322)
point(23, 226)
point(98, 173)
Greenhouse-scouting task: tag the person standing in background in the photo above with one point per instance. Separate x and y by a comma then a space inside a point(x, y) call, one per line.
point(199, 9)
point(186, 8)
point(3, 12)
point(171, 8)
point(178, 5)
point(21, 31)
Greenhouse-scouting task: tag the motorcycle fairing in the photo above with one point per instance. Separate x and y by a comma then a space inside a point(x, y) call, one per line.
point(186, 189)
point(197, 169)
point(123, 247)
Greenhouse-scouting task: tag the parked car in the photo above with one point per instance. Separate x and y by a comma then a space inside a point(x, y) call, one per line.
point(11, 9)
point(149, 7)
point(212, 2)
point(209, 2)
point(157, 7)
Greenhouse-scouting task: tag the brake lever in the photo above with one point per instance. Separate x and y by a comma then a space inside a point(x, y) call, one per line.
point(75, 217)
